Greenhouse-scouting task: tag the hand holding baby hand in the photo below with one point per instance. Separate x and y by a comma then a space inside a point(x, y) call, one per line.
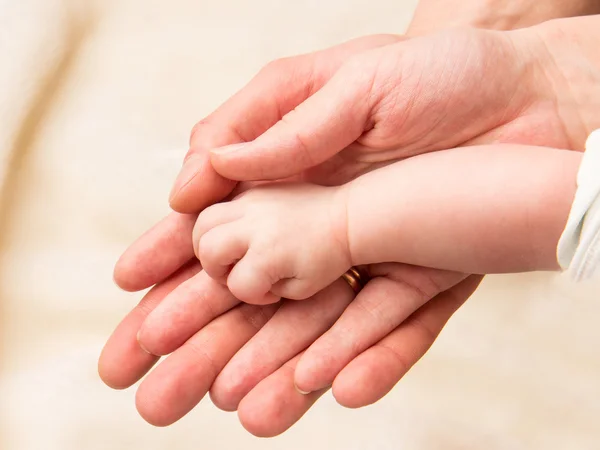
point(280, 240)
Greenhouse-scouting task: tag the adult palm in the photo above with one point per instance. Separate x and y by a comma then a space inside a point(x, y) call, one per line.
point(327, 117)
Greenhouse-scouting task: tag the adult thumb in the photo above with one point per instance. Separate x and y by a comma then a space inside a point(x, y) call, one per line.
point(320, 127)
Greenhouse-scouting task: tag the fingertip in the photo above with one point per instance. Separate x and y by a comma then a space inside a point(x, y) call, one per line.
point(249, 286)
point(348, 392)
point(125, 275)
point(254, 162)
point(150, 412)
point(119, 373)
point(113, 383)
point(256, 425)
point(227, 391)
point(220, 248)
point(300, 391)
point(156, 255)
point(106, 374)
point(365, 380)
point(273, 406)
point(198, 185)
point(308, 377)
point(117, 385)
point(160, 334)
point(191, 168)
point(260, 413)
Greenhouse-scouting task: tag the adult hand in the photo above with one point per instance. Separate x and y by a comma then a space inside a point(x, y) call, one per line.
point(246, 355)
point(161, 399)
point(455, 88)
point(148, 261)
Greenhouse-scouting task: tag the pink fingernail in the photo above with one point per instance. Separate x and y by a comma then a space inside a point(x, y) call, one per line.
point(228, 148)
point(300, 390)
point(137, 337)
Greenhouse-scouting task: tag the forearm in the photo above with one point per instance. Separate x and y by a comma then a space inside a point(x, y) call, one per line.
point(433, 15)
point(474, 210)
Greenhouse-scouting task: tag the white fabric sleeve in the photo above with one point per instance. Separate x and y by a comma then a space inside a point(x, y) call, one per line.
point(579, 246)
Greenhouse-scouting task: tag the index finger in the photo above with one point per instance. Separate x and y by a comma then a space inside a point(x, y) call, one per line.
point(272, 93)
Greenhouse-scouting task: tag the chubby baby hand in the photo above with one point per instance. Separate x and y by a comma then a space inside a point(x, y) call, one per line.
point(277, 240)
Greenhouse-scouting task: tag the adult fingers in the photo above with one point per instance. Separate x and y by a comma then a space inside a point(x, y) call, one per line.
point(178, 384)
point(279, 87)
point(371, 375)
point(293, 328)
point(274, 405)
point(276, 90)
point(384, 303)
point(185, 310)
point(156, 254)
point(123, 362)
point(318, 128)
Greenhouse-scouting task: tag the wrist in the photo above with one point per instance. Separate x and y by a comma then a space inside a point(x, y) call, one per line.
point(551, 213)
point(511, 222)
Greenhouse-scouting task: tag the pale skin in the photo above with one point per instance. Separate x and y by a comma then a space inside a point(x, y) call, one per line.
point(495, 14)
point(237, 352)
point(471, 210)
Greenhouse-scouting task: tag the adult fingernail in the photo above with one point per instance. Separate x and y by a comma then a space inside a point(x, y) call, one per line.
point(191, 168)
point(137, 337)
point(229, 148)
point(300, 391)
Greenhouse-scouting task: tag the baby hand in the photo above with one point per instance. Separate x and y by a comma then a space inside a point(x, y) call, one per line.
point(278, 240)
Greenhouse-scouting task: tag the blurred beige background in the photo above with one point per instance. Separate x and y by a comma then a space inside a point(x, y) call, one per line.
point(96, 102)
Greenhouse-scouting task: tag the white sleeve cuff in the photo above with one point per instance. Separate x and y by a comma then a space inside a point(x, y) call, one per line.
point(579, 246)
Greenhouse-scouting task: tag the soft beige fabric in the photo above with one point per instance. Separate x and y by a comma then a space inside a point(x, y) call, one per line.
point(96, 101)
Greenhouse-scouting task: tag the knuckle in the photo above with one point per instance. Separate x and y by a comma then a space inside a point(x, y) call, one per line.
point(376, 310)
point(227, 392)
point(423, 329)
point(403, 361)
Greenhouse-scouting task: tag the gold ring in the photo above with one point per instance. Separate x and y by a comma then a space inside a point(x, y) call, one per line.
point(356, 278)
